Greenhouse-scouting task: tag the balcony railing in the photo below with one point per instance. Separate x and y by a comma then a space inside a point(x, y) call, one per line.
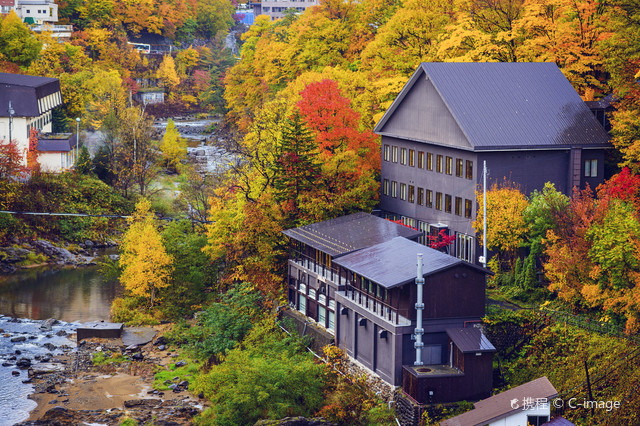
point(375, 306)
point(321, 270)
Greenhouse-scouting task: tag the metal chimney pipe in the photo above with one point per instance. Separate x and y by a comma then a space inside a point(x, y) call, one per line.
point(419, 331)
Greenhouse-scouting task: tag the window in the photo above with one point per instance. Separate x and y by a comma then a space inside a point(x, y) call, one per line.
point(447, 203)
point(537, 420)
point(394, 154)
point(322, 315)
point(403, 191)
point(312, 294)
point(394, 188)
point(429, 161)
point(458, 167)
point(467, 208)
point(386, 153)
point(464, 247)
point(412, 194)
point(420, 196)
point(385, 187)
point(438, 200)
point(332, 320)
point(403, 156)
point(591, 168)
point(420, 160)
point(429, 200)
point(449, 166)
point(458, 209)
point(302, 304)
point(412, 158)
point(469, 174)
point(439, 163)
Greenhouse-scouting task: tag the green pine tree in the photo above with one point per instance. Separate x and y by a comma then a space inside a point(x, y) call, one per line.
point(296, 167)
point(84, 166)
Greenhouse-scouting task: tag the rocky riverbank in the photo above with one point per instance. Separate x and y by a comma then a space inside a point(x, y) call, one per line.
point(75, 391)
point(28, 253)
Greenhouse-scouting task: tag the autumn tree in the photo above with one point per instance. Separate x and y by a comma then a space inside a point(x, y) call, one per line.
point(173, 147)
point(167, 73)
point(336, 125)
point(506, 227)
point(11, 161)
point(213, 16)
point(146, 266)
point(33, 164)
point(17, 43)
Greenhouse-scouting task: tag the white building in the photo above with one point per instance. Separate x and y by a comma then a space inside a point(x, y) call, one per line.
point(32, 102)
point(528, 404)
point(276, 8)
point(37, 11)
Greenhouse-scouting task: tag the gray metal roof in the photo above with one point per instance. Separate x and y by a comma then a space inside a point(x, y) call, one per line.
point(61, 143)
point(24, 91)
point(510, 105)
point(394, 262)
point(346, 234)
point(499, 406)
point(470, 340)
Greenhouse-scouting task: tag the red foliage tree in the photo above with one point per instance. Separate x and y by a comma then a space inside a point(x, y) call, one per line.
point(336, 125)
point(11, 161)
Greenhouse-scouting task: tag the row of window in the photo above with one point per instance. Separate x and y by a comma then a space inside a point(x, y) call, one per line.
point(326, 315)
point(425, 160)
point(369, 287)
point(424, 197)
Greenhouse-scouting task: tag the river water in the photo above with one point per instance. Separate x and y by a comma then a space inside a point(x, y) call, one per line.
point(72, 296)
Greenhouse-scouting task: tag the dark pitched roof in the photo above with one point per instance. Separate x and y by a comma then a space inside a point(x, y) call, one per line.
point(393, 263)
point(345, 234)
point(509, 106)
point(24, 91)
point(500, 406)
point(56, 143)
point(559, 421)
point(470, 340)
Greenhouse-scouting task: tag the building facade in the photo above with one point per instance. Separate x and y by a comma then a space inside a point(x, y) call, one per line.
point(37, 11)
point(32, 101)
point(356, 275)
point(276, 9)
point(56, 152)
point(523, 119)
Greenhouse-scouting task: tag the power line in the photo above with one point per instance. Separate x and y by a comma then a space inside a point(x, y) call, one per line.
point(112, 216)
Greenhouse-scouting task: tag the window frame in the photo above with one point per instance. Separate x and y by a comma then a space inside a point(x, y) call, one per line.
point(412, 157)
point(439, 160)
point(469, 170)
point(411, 194)
point(439, 201)
point(447, 203)
point(448, 165)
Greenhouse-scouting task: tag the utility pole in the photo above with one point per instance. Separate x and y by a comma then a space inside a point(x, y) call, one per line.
point(77, 139)
point(484, 214)
point(11, 112)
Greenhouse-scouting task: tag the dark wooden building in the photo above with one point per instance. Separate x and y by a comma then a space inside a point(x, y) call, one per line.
point(524, 119)
point(355, 276)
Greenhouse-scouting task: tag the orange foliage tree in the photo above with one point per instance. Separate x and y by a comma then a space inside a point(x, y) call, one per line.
point(32, 153)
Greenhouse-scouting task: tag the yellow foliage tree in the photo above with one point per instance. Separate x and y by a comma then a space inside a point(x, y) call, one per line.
point(167, 72)
point(506, 228)
point(146, 265)
point(173, 147)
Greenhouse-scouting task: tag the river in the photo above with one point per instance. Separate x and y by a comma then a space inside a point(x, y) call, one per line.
point(72, 296)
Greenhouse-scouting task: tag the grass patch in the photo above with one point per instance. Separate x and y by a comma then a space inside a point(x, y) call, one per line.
point(108, 358)
point(174, 375)
point(34, 259)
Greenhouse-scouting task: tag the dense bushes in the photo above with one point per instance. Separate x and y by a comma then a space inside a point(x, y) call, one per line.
point(63, 193)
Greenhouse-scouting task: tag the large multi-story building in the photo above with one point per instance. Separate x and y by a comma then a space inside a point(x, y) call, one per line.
point(524, 120)
point(355, 276)
point(276, 9)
